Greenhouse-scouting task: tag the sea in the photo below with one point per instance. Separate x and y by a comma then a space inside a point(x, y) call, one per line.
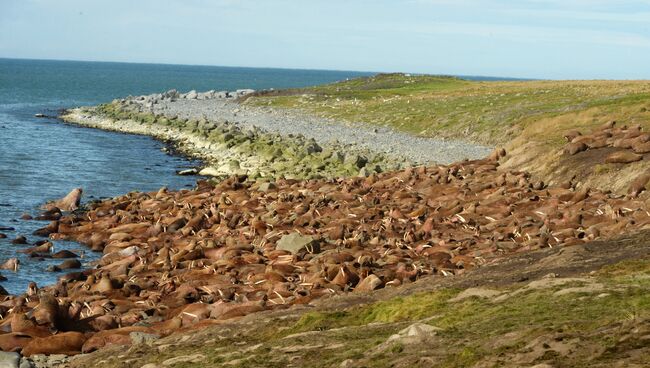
point(43, 159)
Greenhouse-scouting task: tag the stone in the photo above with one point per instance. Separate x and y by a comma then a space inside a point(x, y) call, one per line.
point(339, 156)
point(187, 172)
point(194, 358)
point(267, 186)
point(234, 165)
point(370, 283)
point(296, 242)
point(357, 160)
point(415, 334)
point(138, 337)
point(243, 92)
point(191, 95)
point(313, 147)
point(476, 293)
point(9, 360)
point(363, 172)
point(19, 240)
point(26, 363)
point(210, 171)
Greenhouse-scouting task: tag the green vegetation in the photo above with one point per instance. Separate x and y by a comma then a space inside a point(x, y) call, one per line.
point(488, 112)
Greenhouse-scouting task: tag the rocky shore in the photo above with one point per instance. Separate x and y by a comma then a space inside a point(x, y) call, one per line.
point(180, 260)
point(234, 138)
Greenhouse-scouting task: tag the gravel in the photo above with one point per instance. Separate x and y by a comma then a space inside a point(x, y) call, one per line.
point(417, 150)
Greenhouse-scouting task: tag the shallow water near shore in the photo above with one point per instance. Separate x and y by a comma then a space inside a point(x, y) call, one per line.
point(43, 159)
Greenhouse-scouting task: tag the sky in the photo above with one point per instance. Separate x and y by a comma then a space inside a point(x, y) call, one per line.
point(546, 39)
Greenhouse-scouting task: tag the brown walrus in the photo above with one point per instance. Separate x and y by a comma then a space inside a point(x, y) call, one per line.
point(68, 343)
point(11, 264)
point(68, 203)
point(14, 341)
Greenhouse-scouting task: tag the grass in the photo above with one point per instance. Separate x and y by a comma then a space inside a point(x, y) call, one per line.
point(487, 112)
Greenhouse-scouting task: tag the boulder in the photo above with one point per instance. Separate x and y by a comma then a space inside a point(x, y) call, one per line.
point(296, 242)
point(191, 95)
point(357, 160)
point(19, 240)
point(187, 172)
point(243, 92)
point(210, 171)
point(623, 157)
point(370, 283)
point(267, 186)
point(9, 360)
point(313, 147)
point(139, 337)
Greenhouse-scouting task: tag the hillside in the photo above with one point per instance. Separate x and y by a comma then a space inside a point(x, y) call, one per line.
point(529, 118)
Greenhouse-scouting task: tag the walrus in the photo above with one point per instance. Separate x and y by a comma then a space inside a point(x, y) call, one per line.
point(11, 264)
point(623, 157)
point(639, 185)
point(68, 203)
point(68, 343)
point(14, 341)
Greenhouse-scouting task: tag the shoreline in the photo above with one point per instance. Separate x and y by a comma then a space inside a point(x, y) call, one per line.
point(234, 139)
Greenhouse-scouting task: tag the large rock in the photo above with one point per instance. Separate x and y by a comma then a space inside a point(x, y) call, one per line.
point(243, 92)
point(9, 360)
point(295, 242)
point(210, 171)
point(370, 283)
point(313, 147)
point(267, 186)
point(191, 95)
point(357, 160)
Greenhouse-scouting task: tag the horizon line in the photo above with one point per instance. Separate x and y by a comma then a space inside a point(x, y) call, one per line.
point(281, 68)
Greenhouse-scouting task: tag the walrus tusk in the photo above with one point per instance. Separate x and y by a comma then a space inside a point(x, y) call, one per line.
point(281, 298)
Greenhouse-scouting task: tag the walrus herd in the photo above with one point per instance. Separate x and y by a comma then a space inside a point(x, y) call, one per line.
point(630, 144)
point(175, 260)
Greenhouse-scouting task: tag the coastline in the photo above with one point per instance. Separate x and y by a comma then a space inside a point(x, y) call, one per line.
point(236, 249)
point(268, 143)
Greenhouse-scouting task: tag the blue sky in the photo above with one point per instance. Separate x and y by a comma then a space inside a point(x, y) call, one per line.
point(555, 39)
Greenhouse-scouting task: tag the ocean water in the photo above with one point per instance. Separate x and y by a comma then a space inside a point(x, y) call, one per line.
point(43, 159)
